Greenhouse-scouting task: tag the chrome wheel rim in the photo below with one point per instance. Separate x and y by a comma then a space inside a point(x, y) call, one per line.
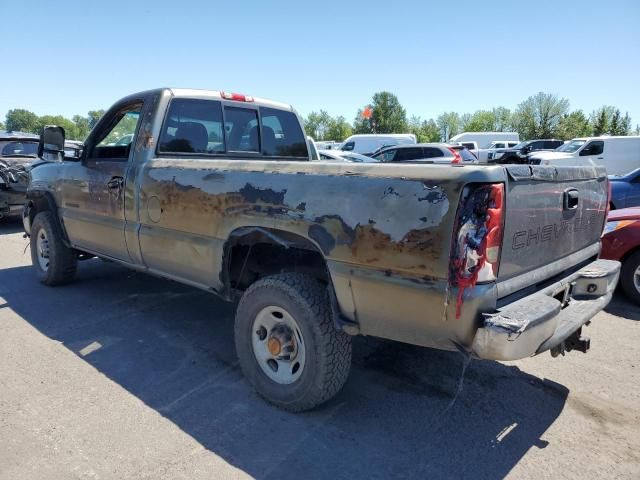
point(278, 345)
point(42, 249)
point(636, 278)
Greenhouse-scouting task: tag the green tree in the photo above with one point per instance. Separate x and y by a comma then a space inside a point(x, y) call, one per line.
point(601, 120)
point(625, 124)
point(1, 126)
point(82, 126)
point(572, 125)
point(449, 125)
point(361, 124)
point(616, 123)
point(93, 116)
point(480, 121)
point(388, 116)
point(426, 131)
point(21, 120)
point(70, 128)
point(317, 123)
point(620, 125)
point(338, 129)
point(538, 116)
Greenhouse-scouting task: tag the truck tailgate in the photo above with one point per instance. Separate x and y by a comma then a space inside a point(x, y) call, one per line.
point(550, 212)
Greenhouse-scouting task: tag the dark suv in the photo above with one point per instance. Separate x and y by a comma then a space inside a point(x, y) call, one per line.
point(518, 154)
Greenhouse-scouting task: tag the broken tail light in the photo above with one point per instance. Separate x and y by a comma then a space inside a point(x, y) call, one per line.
point(475, 255)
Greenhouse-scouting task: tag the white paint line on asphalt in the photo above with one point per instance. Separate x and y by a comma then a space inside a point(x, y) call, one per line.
point(506, 431)
point(92, 347)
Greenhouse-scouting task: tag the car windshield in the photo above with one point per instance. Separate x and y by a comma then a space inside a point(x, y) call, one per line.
point(571, 147)
point(521, 145)
point(13, 149)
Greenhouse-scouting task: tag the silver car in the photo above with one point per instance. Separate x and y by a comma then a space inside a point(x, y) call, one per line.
point(426, 153)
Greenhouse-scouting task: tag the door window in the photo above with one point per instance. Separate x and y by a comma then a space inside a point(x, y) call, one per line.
point(406, 154)
point(114, 142)
point(432, 152)
point(347, 147)
point(593, 148)
point(386, 156)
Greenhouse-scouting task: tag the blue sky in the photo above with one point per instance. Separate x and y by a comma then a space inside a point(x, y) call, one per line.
point(75, 56)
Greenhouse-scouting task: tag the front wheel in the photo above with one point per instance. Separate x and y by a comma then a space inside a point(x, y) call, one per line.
point(53, 261)
point(630, 277)
point(287, 344)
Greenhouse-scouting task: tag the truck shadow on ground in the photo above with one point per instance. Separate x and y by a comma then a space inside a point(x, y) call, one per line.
point(172, 347)
point(11, 224)
point(621, 306)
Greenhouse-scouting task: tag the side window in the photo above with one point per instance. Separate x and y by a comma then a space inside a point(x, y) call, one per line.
point(388, 156)
point(347, 147)
point(114, 142)
point(192, 126)
point(536, 146)
point(241, 129)
point(406, 154)
point(281, 134)
point(593, 148)
point(431, 152)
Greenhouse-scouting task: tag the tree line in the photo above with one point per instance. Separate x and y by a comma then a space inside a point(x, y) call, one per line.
point(543, 115)
point(21, 120)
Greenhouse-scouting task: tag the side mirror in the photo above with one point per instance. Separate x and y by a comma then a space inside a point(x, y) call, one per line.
point(51, 146)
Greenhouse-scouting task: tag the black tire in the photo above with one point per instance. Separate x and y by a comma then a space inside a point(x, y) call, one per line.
point(629, 267)
point(63, 261)
point(328, 351)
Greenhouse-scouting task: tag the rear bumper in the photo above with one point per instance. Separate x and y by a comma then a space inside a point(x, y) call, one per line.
point(546, 318)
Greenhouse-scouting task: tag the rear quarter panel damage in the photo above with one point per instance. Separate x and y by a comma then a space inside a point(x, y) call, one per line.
point(385, 232)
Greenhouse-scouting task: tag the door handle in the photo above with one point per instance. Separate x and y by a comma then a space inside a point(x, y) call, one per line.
point(115, 183)
point(114, 186)
point(571, 199)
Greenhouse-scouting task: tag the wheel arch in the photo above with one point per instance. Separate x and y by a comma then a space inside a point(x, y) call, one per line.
point(252, 252)
point(42, 201)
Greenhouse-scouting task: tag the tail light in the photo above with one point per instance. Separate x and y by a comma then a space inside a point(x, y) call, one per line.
point(475, 255)
point(238, 97)
point(457, 158)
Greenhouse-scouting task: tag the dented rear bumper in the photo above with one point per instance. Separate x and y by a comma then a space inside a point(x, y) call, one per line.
point(546, 318)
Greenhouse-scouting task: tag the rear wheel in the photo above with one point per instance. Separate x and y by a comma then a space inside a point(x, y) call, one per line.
point(53, 261)
point(630, 277)
point(287, 343)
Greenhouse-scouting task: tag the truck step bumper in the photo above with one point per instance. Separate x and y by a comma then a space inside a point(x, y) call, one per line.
point(546, 318)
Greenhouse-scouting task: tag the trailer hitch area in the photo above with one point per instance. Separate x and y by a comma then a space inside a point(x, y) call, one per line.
point(573, 342)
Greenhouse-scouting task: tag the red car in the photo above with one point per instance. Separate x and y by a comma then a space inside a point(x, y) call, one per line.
point(621, 241)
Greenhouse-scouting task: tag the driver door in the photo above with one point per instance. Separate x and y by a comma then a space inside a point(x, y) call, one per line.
point(93, 190)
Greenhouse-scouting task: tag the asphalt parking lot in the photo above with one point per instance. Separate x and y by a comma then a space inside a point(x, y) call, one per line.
point(123, 375)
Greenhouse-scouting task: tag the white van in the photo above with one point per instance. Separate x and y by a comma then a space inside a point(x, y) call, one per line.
point(368, 143)
point(484, 139)
point(619, 155)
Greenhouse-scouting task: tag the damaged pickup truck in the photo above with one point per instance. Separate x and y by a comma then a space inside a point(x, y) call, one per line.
point(216, 190)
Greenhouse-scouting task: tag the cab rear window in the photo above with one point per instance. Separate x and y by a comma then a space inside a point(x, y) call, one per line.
point(195, 126)
point(281, 134)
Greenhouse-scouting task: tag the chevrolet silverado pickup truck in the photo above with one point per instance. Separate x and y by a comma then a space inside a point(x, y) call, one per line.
point(216, 190)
